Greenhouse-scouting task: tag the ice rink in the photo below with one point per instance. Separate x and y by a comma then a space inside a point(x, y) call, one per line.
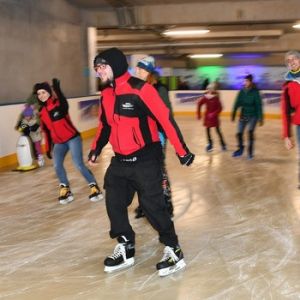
point(238, 223)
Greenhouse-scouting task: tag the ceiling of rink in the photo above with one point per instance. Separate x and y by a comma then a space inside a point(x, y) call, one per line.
point(235, 26)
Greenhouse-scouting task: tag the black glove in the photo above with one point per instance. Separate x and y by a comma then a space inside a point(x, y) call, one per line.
point(48, 153)
point(24, 125)
point(34, 127)
point(56, 84)
point(91, 154)
point(187, 159)
point(232, 118)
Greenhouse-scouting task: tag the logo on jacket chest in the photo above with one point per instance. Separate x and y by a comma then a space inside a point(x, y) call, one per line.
point(127, 106)
point(56, 114)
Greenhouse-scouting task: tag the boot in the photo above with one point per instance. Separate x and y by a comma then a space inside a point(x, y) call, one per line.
point(171, 262)
point(122, 257)
point(209, 147)
point(240, 150)
point(95, 194)
point(65, 195)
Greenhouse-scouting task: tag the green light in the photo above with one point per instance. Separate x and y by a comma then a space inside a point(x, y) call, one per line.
point(210, 72)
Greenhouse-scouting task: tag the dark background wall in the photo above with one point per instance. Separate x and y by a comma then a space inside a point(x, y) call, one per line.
point(41, 40)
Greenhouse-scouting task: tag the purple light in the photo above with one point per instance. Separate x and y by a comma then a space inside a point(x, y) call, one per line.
point(247, 55)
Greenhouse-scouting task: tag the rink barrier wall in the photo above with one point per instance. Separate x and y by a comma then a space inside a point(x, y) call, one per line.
point(84, 111)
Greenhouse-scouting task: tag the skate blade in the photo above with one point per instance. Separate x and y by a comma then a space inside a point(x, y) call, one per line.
point(167, 271)
point(129, 262)
point(97, 198)
point(66, 201)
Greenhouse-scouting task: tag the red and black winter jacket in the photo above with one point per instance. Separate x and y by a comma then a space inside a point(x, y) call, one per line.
point(290, 106)
point(56, 122)
point(128, 119)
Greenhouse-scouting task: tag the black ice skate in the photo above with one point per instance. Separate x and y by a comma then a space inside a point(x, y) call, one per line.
point(96, 194)
point(122, 257)
point(171, 262)
point(65, 195)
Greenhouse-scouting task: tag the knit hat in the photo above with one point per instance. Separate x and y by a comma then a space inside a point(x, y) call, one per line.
point(28, 111)
point(212, 86)
point(249, 77)
point(115, 58)
point(147, 63)
point(42, 86)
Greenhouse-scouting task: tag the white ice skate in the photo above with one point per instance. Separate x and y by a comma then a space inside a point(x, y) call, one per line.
point(41, 160)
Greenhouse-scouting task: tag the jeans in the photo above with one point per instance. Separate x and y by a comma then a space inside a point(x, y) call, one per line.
point(251, 123)
point(59, 154)
point(244, 121)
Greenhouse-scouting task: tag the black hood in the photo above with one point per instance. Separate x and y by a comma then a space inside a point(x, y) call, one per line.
point(115, 58)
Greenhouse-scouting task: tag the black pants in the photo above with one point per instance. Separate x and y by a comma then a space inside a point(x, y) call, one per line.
point(209, 139)
point(145, 177)
point(166, 185)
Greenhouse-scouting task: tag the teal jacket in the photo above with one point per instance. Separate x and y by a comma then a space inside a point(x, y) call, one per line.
point(250, 102)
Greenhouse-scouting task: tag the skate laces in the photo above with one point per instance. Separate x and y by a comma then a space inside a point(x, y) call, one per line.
point(118, 251)
point(169, 255)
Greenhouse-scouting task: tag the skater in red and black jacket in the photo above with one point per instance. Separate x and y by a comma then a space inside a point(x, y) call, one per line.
point(290, 102)
point(60, 132)
point(129, 113)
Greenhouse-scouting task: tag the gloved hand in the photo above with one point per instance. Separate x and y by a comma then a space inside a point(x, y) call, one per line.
point(261, 122)
point(232, 118)
point(92, 156)
point(56, 84)
point(24, 128)
point(48, 153)
point(187, 159)
point(24, 125)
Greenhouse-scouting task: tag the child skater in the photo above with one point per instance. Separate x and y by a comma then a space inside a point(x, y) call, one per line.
point(28, 124)
point(211, 117)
